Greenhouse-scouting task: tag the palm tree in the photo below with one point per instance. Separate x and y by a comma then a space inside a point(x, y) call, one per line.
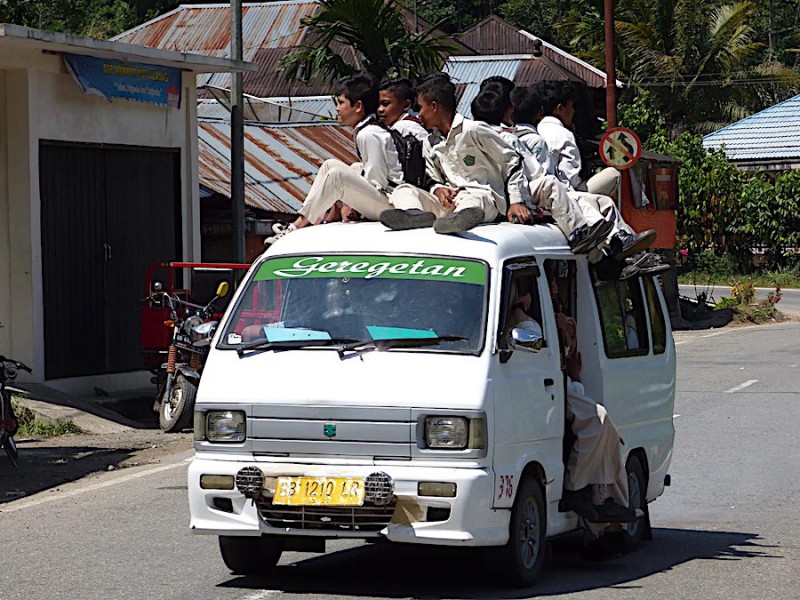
point(372, 35)
point(700, 59)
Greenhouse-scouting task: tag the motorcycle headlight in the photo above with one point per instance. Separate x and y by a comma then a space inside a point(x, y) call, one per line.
point(202, 332)
point(225, 425)
point(190, 323)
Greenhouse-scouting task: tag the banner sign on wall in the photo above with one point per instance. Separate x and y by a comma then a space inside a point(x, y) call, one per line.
point(133, 81)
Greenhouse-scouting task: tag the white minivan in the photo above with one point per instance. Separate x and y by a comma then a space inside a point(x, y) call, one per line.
point(365, 383)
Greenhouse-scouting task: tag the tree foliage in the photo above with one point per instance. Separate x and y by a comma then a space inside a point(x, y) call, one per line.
point(371, 35)
point(703, 61)
point(722, 209)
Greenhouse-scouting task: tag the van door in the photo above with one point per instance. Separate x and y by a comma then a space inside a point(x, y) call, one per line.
point(528, 388)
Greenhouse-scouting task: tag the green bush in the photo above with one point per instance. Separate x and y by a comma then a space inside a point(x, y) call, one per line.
point(722, 210)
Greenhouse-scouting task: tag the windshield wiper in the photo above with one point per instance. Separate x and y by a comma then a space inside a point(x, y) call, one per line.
point(263, 345)
point(357, 348)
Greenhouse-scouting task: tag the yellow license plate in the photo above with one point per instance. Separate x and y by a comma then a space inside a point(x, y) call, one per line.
point(319, 491)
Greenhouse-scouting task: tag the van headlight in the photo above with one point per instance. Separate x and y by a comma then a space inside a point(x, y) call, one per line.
point(455, 433)
point(225, 425)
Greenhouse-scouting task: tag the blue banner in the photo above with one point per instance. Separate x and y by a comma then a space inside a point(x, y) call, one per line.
point(132, 81)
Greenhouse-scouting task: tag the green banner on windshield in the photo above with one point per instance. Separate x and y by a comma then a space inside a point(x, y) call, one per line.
point(374, 267)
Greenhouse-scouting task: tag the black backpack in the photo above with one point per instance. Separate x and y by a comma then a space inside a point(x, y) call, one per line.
point(409, 151)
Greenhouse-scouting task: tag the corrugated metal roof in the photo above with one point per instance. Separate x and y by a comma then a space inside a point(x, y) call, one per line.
point(493, 35)
point(469, 71)
point(280, 160)
point(770, 135)
point(270, 30)
point(274, 110)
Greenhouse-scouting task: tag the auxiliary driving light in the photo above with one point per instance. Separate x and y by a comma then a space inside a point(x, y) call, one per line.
point(379, 488)
point(250, 482)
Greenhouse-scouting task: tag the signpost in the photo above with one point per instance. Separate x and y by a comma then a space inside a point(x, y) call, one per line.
point(620, 148)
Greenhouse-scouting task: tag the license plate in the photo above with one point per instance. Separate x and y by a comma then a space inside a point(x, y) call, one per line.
point(319, 491)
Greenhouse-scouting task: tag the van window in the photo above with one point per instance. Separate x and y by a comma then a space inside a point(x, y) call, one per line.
point(521, 304)
point(363, 298)
point(656, 317)
point(622, 318)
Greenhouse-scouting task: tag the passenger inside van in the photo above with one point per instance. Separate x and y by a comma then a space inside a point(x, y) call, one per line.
point(595, 484)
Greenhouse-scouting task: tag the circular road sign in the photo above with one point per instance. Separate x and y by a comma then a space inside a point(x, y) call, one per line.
point(620, 148)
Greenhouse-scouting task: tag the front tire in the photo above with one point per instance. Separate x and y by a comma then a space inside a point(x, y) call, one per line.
point(175, 412)
point(521, 560)
point(250, 555)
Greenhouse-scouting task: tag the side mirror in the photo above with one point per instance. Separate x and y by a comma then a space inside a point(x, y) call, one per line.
point(222, 289)
point(525, 339)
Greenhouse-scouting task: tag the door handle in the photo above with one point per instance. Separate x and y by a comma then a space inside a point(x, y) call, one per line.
point(548, 382)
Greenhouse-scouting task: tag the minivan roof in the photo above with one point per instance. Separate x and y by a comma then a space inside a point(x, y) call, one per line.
point(492, 242)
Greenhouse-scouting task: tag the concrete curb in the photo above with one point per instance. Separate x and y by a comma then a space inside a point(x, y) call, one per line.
point(88, 414)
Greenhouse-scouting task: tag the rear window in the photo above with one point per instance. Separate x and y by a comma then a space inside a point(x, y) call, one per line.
point(622, 318)
point(656, 317)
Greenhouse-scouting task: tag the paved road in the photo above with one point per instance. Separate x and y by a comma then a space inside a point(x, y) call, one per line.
point(789, 303)
point(727, 528)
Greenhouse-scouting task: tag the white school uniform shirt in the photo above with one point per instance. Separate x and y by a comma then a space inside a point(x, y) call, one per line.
point(529, 135)
point(474, 156)
point(532, 168)
point(409, 125)
point(380, 164)
point(564, 152)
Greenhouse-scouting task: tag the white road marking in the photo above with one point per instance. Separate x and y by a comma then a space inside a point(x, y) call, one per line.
point(40, 499)
point(741, 386)
point(261, 595)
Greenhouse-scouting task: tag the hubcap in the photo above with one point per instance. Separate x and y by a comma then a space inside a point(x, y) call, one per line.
point(174, 399)
point(529, 531)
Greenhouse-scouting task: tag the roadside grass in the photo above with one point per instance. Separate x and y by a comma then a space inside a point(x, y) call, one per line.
point(30, 426)
point(786, 278)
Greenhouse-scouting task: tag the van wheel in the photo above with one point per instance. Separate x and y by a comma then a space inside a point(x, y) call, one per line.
point(520, 561)
point(639, 530)
point(250, 555)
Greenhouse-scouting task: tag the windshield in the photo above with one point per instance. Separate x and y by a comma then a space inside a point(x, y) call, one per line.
point(355, 298)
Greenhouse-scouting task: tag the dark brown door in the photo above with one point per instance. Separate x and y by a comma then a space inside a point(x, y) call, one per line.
point(107, 214)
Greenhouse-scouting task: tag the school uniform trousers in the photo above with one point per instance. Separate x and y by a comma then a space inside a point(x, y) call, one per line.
point(406, 196)
point(339, 182)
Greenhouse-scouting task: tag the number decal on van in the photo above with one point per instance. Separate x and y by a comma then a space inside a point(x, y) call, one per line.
point(505, 486)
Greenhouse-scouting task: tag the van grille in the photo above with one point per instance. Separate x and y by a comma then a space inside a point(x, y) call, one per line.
point(326, 518)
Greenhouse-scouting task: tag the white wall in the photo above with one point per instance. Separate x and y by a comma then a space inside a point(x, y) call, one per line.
point(40, 100)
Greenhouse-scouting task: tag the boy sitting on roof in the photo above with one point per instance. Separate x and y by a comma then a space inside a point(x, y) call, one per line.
point(545, 192)
point(472, 169)
point(368, 191)
point(394, 108)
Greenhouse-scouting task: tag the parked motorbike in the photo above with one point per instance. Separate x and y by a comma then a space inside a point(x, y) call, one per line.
point(178, 378)
point(8, 421)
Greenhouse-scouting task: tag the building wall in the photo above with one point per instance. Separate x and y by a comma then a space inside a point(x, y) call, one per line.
point(39, 100)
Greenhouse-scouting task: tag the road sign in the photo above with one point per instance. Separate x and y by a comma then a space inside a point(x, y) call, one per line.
point(620, 148)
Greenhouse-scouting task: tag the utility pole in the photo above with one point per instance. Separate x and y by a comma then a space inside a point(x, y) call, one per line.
point(237, 139)
point(611, 68)
point(771, 29)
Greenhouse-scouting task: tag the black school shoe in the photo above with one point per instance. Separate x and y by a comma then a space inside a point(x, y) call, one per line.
point(613, 512)
point(648, 263)
point(398, 219)
point(588, 237)
point(625, 244)
point(580, 502)
point(458, 221)
point(608, 269)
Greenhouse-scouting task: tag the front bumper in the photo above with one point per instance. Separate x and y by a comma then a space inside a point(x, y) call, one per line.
point(471, 522)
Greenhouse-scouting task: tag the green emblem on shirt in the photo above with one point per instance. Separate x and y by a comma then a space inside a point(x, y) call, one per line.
point(469, 160)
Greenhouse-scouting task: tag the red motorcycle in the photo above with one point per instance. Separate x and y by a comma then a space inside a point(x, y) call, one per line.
point(177, 379)
point(8, 421)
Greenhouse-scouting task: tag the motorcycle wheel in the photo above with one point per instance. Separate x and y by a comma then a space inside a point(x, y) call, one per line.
point(176, 411)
